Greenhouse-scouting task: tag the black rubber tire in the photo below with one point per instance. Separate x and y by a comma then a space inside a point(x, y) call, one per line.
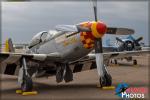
point(134, 62)
point(102, 81)
point(59, 75)
point(115, 61)
point(27, 84)
point(106, 80)
point(68, 75)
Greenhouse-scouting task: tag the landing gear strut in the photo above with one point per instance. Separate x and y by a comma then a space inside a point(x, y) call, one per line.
point(105, 78)
point(25, 79)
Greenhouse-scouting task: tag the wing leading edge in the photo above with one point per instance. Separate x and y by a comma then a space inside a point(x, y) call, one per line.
point(14, 57)
point(111, 55)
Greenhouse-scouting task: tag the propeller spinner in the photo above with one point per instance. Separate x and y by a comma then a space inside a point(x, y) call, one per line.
point(96, 30)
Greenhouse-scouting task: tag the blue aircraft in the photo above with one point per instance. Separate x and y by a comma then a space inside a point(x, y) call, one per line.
point(126, 44)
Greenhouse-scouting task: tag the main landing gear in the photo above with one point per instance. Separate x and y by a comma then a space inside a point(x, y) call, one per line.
point(105, 79)
point(63, 72)
point(134, 62)
point(25, 80)
point(27, 84)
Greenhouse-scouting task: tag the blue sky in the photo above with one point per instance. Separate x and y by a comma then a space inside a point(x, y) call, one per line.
point(22, 20)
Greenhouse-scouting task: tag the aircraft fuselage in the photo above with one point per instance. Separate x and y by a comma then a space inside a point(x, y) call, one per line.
point(69, 46)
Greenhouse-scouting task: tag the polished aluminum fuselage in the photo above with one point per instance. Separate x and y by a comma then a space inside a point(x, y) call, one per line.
point(69, 47)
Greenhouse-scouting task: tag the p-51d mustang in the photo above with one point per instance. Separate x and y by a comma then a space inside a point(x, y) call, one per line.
point(51, 53)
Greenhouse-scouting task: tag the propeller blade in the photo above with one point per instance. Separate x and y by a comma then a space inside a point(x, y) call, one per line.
point(119, 31)
point(66, 28)
point(118, 39)
point(95, 9)
point(139, 39)
point(83, 29)
point(72, 28)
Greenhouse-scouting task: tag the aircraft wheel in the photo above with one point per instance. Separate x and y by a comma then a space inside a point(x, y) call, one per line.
point(105, 80)
point(134, 62)
point(59, 74)
point(108, 79)
point(115, 61)
point(27, 84)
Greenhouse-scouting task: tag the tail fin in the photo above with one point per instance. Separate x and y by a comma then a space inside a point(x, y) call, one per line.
point(9, 46)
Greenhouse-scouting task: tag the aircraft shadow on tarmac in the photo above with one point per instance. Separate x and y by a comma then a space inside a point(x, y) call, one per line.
point(42, 87)
point(8, 79)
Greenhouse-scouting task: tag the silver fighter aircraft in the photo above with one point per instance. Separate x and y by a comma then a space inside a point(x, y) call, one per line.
point(52, 52)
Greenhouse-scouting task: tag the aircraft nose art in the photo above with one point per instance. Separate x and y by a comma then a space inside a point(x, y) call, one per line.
point(98, 29)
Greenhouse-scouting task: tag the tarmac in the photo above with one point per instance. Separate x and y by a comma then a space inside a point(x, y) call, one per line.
point(84, 85)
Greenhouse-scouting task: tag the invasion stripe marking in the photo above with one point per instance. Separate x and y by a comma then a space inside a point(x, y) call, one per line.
point(17, 70)
point(77, 68)
point(93, 66)
point(3, 57)
point(10, 69)
point(3, 67)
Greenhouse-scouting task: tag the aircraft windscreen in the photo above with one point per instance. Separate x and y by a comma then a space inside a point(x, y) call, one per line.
point(52, 33)
point(38, 38)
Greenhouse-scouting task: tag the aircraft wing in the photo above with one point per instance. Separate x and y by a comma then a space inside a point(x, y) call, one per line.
point(10, 58)
point(111, 55)
point(88, 62)
point(123, 54)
